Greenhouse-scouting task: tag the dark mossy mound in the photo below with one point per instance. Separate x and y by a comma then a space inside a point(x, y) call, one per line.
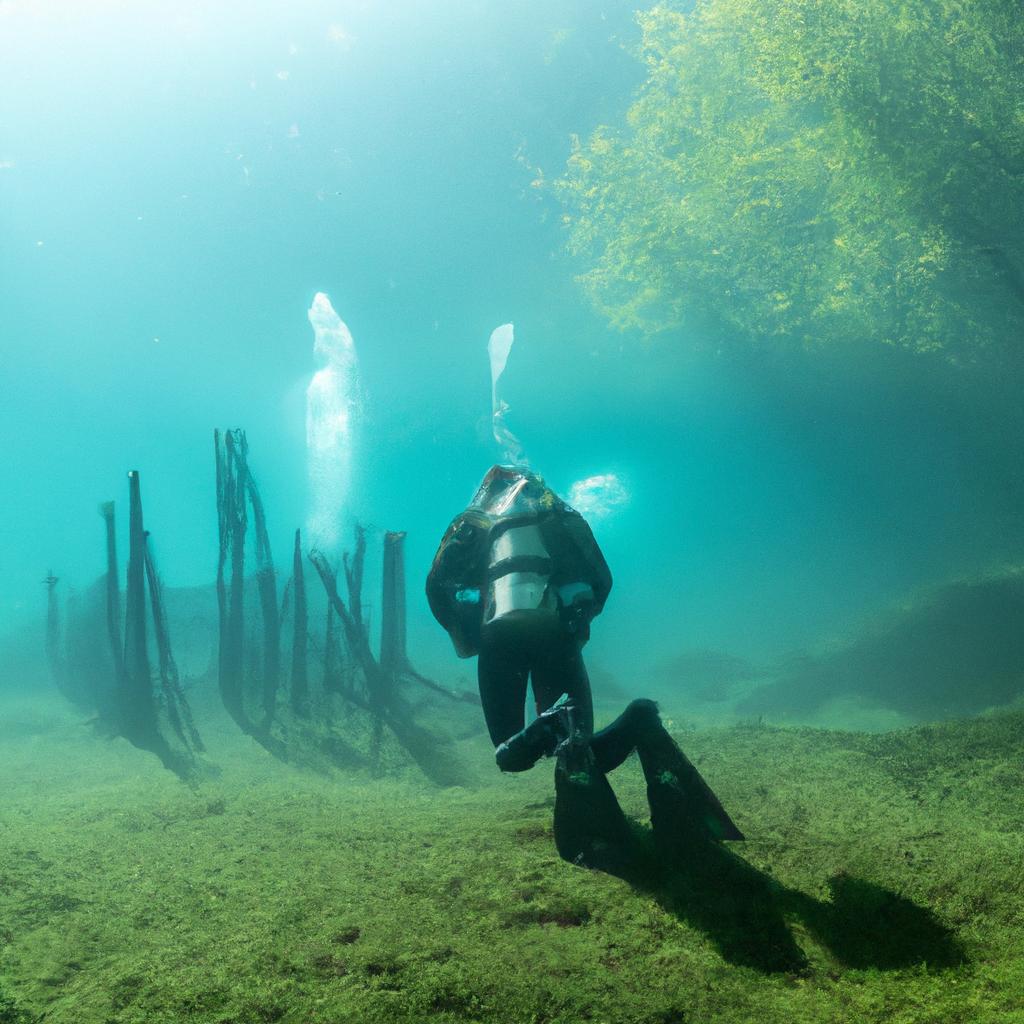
point(956, 651)
point(706, 675)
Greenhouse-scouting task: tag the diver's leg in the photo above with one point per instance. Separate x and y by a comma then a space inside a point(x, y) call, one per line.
point(502, 673)
point(683, 805)
point(590, 828)
point(562, 694)
point(559, 669)
point(504, 668)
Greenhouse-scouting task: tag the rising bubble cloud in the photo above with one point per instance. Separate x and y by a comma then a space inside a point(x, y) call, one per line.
point(598, 496)
point(333, 409)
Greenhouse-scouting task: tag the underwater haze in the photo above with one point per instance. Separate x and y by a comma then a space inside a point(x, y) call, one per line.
point(397, 243)
point(179, 181)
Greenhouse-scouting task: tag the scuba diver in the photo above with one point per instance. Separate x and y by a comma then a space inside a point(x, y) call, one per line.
point(517, 580)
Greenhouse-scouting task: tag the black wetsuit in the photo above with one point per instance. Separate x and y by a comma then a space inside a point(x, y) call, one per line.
point(553, 663)
point(511, 652)
point(543, 646)
point(549, 657)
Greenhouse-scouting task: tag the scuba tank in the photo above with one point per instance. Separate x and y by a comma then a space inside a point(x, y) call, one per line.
point(519, 573)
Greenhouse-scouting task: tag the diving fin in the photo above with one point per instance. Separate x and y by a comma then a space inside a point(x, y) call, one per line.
point(590, 828)
point(683, 805)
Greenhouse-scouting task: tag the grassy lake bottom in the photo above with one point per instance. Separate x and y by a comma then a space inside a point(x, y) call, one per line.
point(881, 881)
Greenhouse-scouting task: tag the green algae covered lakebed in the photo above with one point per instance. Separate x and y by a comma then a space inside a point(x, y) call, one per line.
point(881, 880)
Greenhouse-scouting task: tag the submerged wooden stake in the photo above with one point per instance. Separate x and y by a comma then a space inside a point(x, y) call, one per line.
point(266, 585)
point(300, 634)
point(334, 678)
point(53, 643)
point(223, 546)
point(231, 597)
point(381, 695)
point(393, 657)
point(356, 638)
point(139, 710)
point(113, 590)
point(137, 707)
point(236, 492)
point(178, 711)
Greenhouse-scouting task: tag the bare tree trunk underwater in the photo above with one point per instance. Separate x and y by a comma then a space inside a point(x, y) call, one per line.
point(334, 677)
point(238, 525)
point(178, 711)
point(379, 687)
point(356, 637)
point(235, 487)
point(137, 712)
point(353, 565)
point(230, 598)
point(357, 641)
point(433, 754)
point(54, 653)
point(300, 634)
point(376, 692)
point(223, 545)
point(266, 582)
point(114, 604)
point(393, 658)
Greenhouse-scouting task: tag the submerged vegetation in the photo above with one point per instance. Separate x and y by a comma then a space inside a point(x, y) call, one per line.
point(815, 172)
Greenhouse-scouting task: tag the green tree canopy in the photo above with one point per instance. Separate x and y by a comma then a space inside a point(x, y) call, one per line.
point(819, 171)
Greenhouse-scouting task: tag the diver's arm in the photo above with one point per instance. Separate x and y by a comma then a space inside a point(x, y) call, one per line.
point(441, 585)
point(592, 565)
point(454, 573)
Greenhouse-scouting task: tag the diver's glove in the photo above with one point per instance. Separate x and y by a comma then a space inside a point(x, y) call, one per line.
point(539, 739)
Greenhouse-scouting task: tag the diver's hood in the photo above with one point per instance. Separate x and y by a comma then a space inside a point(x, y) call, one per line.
point(513, 491)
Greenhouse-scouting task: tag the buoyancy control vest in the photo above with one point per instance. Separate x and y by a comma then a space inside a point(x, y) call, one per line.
point(517, 551)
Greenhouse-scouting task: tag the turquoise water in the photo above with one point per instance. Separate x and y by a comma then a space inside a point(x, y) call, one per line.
point(337, 225)
point(178, 181)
